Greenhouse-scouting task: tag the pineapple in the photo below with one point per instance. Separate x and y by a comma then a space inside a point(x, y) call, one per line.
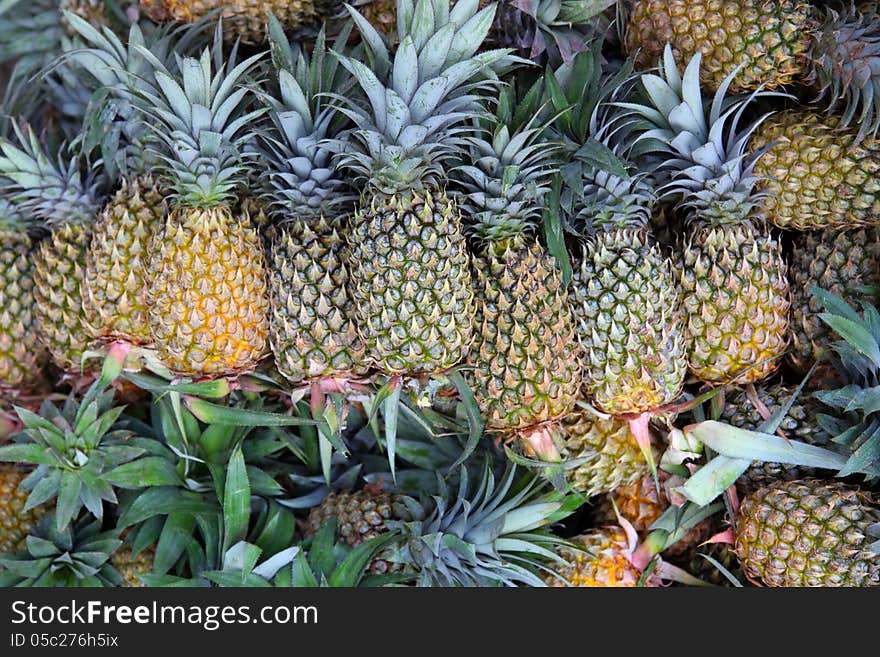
point(732, 276)
point(601, 560)
point(360, 516)
point(208, 301)
point(20, 347)
point(57, 195)
point(524, 364)
point(809, 533)
point(116, 274)
point(242, 19)
point(769, 37)
point(840, 262)
point(410, 276)
point(799, 424)
point(612, 457)
point(623, 293)
point(773, 42)
point(627, 302)
point(813, 174)
point(17, 521)
point(130, 564)
point(313, 333)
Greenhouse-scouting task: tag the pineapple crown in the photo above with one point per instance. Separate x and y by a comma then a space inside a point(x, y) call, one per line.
point(81, 454)
point(558, 29)
point(11, 218)
point(508, 176)
point(200, 120)
point(600, 190)
point(54, 192)
point(76, 555)
point(30, 29)
point(613, 198)
point(706, 161)
point(322, 561)
point(115, 71)
point(856, 356)
point(483, 535)
point(419, 101)
point(845, 66)
point(302, 180)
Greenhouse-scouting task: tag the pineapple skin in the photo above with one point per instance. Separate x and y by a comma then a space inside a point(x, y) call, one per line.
point(117, 274)
point(59, 272)
point(813, 176)
point(208, 304)
point(131, 566)
point(411, 282)
point(245, 19)
point(629, 317)
point(834, 261)
point(360, 516)
point(736, 298)
point(770, 39)
point(20, 347)
point(313, 332)
point(16, 524)
point(612, 455)
point(604, 565)
point(808, 533)
point(525, 356)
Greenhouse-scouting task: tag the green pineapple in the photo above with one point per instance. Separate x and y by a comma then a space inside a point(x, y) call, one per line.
point(839, 262)
point(814, 174)
point(60, 197)
point(524, 364)
point(410, 275)
point(313, 332)
point(732, 276)
point(20, 348)
point(809, 533)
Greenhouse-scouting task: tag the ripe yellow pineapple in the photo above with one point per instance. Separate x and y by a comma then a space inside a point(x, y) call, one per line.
point(830, 46)
point(814, 175)
point(770, 38)
point(603, 561)
point(244, 19)
point(208, 301)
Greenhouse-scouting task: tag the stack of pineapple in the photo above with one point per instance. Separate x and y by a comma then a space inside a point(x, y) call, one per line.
point(358, 272)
